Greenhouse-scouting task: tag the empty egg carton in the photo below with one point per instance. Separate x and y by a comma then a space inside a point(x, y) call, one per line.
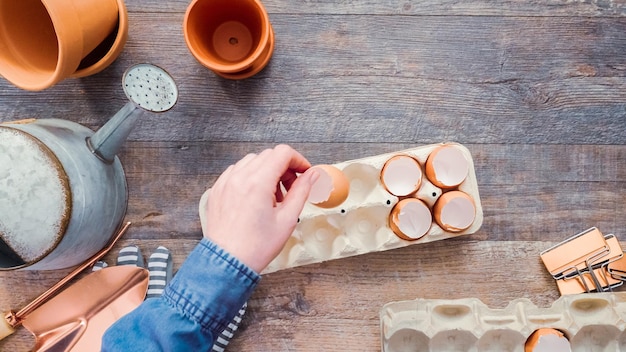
point(361, 223)
point(590, 321)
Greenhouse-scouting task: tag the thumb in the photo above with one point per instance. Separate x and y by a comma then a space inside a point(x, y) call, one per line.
point(292, 205)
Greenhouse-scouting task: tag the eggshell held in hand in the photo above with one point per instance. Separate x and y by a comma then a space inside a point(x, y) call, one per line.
point(331, 188)
point(410, 219)
point(447, 167)
point(401, 175)
point(547, 340)
point(454, 211)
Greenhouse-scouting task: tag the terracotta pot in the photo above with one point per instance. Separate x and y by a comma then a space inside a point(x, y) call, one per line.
point(109, 49)
point(233, 38)
point(43, 42)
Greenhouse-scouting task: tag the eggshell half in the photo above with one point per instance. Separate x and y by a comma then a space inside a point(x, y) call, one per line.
point(410, 219)
point(447, 167)
point(331, 188)
point(454, 211)
point(401, 175)
point(547, 340)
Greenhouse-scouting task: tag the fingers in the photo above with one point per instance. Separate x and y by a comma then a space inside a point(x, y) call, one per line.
point(279, 196)
point(233, 169)
point(271, 167)
point(274, 163)
point(245, 160)
point(292, 205)
point(281, 163)
point(288, 178)
point(287, 181)
point(296, 161)
point(224, 176)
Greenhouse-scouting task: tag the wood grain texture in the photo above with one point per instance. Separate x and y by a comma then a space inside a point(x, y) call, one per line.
point(588, 8)
point(349, 79)
point(535, 89)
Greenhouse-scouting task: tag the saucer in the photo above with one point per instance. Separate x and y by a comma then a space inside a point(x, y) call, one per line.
point(257, 66)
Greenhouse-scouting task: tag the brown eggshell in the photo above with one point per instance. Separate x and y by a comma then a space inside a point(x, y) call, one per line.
point(547, 340)
point(401, 175)
point(410, 219)
point(454, 211)
point(447, 167)
point(331, 188)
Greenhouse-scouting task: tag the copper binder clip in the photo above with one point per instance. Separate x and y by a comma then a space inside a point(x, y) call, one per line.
point(581, 263)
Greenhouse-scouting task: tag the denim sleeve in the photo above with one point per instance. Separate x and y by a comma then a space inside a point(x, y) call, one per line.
point(199, 302)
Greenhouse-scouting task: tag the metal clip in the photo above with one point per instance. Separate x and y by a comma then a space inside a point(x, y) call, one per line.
point(582, 262)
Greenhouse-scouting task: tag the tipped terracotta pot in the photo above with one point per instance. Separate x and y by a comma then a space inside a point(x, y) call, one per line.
point(43, 42)
point(233, 38)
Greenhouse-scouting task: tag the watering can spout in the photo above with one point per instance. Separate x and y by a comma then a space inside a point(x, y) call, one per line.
point(108, 140)
point(148, 88)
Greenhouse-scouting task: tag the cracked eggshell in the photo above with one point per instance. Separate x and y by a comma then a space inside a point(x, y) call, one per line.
point(410, 219)
point(401, 175)
point(547, 340)
point(331, 188)
point(447, 167)
point(454, 211)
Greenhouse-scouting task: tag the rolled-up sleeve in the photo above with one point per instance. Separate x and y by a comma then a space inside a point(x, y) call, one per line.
point(199, 302)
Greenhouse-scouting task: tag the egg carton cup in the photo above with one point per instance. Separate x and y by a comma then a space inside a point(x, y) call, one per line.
point(590, 321)
point(361, 223)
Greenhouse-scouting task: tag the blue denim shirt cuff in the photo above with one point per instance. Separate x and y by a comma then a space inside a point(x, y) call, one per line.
point(212, 287)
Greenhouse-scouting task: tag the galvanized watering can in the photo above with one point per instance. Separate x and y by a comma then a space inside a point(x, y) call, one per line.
point(62, 189)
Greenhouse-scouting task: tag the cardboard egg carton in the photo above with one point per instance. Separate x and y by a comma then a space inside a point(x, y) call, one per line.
point(361, 223)
point(590, 321)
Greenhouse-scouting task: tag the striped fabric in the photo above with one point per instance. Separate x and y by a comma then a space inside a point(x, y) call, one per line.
point(160, 268)
point(99, 265)
point(224, 338)
point(130, 255)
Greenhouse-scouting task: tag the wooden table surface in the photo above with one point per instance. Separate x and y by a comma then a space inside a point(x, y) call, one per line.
point(536, 90)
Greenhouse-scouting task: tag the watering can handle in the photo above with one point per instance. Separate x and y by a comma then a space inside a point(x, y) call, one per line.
point(12, 320)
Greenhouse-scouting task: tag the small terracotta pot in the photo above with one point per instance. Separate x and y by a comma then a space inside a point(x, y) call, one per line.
point(233, 38)
point(43, 42)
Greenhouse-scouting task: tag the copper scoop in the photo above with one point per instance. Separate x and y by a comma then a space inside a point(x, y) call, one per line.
point(76, 318)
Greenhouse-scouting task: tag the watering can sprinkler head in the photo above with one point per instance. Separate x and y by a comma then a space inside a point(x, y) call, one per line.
point(148, 88)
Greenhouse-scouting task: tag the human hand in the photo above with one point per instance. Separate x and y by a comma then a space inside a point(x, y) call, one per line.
point(247, 213)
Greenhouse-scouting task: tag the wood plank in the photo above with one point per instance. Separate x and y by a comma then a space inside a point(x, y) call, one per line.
point(343, 110)
point(513, 163)
point(560, 79)
point(551, 8)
